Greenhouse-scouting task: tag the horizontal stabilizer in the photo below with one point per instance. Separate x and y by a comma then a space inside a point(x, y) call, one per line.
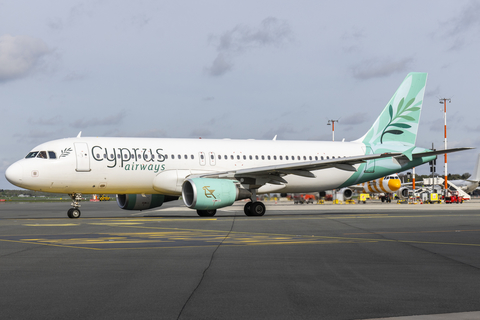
point(437, 152)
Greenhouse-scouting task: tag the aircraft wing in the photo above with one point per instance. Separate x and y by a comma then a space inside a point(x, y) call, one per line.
point(301, 169)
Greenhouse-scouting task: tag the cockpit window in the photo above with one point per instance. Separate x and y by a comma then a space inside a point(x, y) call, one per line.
point(32, 154)
point(42, 155)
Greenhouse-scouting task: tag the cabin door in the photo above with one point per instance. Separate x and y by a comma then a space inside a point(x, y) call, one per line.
point(83, 159)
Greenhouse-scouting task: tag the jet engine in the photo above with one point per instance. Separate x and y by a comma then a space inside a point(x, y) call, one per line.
point(346, 192)
point(402, 193)
point(210, 194)
point(142, 201)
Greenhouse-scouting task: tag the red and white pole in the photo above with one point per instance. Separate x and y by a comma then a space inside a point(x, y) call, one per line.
point(413, 179)
point(444, 100)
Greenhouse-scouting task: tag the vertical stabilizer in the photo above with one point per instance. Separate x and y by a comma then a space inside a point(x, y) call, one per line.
point(398, 122)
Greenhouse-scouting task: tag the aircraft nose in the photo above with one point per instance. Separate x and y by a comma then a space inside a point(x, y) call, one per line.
point(394, 184)
point(14, 174)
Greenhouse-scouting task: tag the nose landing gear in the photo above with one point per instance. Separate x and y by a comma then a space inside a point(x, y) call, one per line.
point(74, 212)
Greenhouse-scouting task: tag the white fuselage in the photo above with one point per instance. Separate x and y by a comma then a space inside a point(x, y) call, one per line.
point(149, 165)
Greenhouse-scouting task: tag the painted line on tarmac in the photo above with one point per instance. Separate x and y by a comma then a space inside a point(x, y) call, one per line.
point(473, 315)
point(162, 237)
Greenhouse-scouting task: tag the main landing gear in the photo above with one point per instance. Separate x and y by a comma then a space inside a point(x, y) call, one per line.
point(74, 212)
point(254, 208)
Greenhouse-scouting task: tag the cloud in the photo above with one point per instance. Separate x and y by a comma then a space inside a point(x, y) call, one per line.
point(376, 68)
point(355, 119)
point(201, 132)
point(35, 136)
point(152, 133)
point(55, 120)
point(466, 20)
point(283, 131)
point(74, 76)
point(351, 41)
point(20, 56)
point(94, 121)
point(220, 65)
point(270, 32)
point(457, 27)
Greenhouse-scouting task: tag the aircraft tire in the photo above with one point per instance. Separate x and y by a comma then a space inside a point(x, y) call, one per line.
point(73, 213)
point(247, 208)
point(206, 213)
point(257, 209)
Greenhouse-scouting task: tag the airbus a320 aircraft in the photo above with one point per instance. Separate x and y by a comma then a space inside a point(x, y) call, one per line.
point(385, 185)
point(211, 174)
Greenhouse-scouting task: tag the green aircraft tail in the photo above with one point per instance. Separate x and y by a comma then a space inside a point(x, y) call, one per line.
point(398, 122)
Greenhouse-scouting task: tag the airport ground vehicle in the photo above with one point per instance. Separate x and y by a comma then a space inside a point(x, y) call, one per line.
point(454, 198)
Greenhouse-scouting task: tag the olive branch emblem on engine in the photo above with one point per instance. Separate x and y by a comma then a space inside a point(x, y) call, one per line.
point(208, 192)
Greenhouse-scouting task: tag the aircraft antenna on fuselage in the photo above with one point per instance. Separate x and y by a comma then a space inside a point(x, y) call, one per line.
point(79, 134)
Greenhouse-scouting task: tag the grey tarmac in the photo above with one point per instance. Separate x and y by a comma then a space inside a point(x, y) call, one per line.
point(359, 261)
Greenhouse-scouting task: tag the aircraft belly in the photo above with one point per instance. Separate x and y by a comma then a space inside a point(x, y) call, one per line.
point(325, 180)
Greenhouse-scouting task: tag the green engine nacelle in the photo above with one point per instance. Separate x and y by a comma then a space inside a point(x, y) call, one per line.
point(142, 201)
point(209, 194)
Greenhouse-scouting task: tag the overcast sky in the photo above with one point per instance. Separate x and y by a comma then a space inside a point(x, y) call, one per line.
point(233, 69)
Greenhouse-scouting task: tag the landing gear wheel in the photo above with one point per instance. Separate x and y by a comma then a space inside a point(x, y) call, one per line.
point(73, 213)
point(247, 208)
point(206, 213)
point(256, 209)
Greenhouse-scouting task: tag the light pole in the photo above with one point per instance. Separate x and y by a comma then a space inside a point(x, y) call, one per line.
point(332, 123)
point(444, 101)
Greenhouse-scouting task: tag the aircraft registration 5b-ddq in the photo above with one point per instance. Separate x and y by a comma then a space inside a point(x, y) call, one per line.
point(211, 174)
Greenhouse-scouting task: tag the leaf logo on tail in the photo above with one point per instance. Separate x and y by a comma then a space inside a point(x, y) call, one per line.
point(397, 121)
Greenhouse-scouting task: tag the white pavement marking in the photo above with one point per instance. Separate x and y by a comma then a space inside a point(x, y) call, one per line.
point(474, 315)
